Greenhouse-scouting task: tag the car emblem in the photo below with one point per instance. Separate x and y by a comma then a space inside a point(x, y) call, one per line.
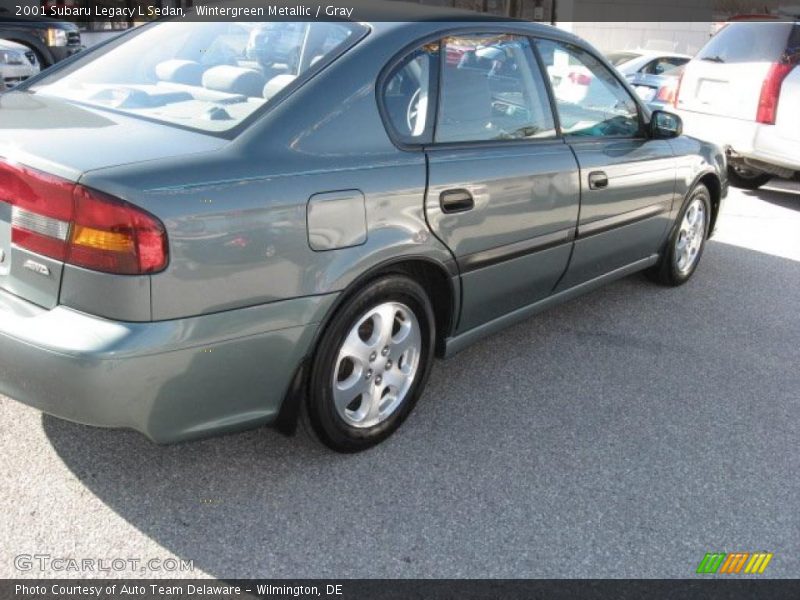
point(37, 267)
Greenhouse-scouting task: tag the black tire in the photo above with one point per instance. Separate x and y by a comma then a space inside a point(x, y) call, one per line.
point(747, 180)
point(327, 423)
point(667, 271)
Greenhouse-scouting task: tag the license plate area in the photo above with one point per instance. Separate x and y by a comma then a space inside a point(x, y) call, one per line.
point(711, 91)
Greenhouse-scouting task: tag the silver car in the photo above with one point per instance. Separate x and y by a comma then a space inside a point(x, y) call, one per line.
point(195, 241)
point(17, 63)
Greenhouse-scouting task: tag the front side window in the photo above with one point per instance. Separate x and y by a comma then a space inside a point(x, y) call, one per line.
point(206, 76)
point(491, 89)
point(591, 101)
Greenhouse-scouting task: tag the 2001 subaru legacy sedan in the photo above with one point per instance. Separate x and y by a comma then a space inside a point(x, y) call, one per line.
point(212, 226)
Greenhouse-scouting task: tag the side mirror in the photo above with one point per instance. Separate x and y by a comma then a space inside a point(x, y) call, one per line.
point(665, 125)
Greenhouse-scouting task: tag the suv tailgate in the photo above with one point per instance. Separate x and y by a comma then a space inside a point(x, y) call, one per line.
point(726, 75)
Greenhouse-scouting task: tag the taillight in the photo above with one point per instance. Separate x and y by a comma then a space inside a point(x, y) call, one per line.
point(667, 92)
point(677, 90)
point(80, 226)
point(771, 92)
point(580, 78)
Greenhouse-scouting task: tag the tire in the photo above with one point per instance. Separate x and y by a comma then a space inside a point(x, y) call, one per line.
point(746, 179)
point(371, 364)
point(684, 248)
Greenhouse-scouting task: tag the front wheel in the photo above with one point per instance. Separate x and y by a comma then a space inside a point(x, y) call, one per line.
point(747, 179)
point(686, 242)
point(371, 364)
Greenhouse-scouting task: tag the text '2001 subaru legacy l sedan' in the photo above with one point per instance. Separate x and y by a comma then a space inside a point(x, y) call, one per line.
point(212, 226)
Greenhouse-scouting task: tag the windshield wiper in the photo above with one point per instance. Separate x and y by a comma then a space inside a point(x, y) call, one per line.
point(716, 59)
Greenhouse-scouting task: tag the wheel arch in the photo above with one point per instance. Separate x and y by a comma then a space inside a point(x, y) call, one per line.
point(712, 182)
point(438, 279)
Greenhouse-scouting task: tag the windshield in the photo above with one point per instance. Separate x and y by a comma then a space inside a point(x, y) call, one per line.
point(207, 76)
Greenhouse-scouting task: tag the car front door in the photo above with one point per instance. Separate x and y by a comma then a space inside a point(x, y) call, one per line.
point(503, 187)
point(627, 179)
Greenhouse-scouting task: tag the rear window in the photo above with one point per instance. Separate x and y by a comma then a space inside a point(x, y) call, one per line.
point(205, 76)
point(617, 58)
point(748, 42)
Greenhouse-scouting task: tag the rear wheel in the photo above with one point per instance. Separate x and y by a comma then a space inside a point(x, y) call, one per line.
point(686, 242)
point(371, 364)
point(747, 179)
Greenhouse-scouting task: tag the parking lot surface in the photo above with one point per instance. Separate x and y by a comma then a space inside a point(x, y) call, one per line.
point(624, 434)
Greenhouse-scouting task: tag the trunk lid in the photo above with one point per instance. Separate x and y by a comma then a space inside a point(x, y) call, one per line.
point(58, 138)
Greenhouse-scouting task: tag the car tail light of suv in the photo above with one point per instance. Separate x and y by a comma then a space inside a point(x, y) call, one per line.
point(677, 91)
point(667, 92)
point(66, 221)
point(771, 91)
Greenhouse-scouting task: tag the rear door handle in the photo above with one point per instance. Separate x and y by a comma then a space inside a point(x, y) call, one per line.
point(456, 201)
point(598, 180)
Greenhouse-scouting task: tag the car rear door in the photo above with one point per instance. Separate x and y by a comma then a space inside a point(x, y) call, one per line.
point(726, 76)
point(503, 186)
point(627, 179)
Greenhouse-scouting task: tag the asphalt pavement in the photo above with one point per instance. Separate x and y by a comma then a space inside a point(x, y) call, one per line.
point(624, 434)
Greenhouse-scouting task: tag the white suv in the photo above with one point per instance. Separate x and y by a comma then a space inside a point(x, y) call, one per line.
point(742, 91)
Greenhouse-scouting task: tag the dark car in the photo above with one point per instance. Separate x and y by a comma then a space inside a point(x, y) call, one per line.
point(295, 230)
point(51, 40)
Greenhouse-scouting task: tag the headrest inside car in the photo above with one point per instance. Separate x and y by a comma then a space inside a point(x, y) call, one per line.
point(276, 84)
point(187, 72)
point(234, 80)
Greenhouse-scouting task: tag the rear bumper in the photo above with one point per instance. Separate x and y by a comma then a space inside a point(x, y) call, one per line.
point(747, 138)
point(170, 380)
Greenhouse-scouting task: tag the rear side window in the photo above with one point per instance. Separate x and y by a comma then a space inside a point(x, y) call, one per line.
point(747, 42)
point(491, 89)
point(407, 95)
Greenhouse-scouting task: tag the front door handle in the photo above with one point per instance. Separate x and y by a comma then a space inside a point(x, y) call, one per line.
point(598, 180)
point(456, 201)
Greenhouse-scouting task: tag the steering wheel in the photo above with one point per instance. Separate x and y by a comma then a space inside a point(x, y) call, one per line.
point(412, 112)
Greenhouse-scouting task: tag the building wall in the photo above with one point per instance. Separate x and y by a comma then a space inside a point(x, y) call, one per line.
point(686, 38)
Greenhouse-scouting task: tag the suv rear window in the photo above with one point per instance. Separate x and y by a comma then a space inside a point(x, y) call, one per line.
point(747, 42)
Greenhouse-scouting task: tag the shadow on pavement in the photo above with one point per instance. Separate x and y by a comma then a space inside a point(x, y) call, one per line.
point(783, 193)
point(571, 445)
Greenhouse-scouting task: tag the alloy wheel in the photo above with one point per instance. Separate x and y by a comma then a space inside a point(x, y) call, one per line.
point(690, 236)
point(377, 364)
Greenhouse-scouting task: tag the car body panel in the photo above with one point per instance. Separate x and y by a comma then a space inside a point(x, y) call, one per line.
point(51, 127)
point(162, 379)
point(526, 198)
point(212, 343)
point(638, 198)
